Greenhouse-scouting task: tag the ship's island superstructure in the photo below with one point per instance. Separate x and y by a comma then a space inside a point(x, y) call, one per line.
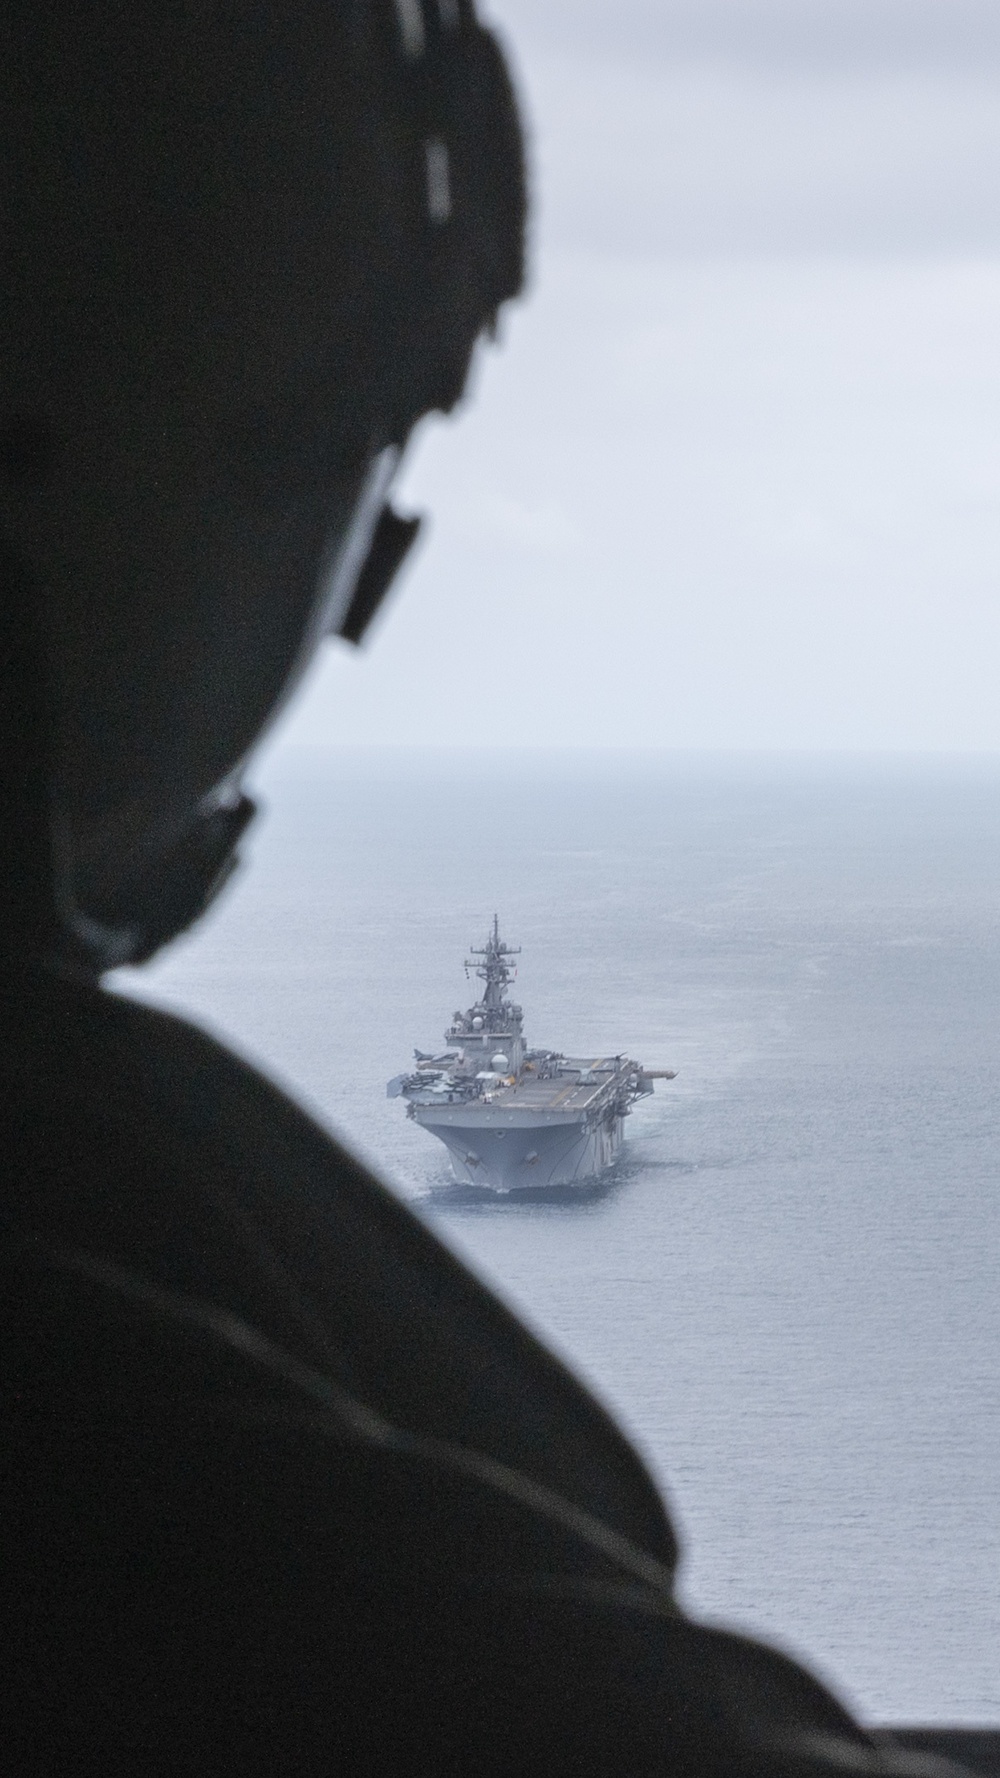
point(517, 1119)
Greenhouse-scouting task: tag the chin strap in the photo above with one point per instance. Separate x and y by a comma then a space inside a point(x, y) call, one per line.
point(391, 543)
point(173, 890)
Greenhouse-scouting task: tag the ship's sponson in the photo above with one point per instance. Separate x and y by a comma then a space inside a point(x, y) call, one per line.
point(546, 1082)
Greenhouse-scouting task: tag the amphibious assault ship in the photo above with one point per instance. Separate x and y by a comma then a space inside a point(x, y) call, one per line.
point(517, 1119)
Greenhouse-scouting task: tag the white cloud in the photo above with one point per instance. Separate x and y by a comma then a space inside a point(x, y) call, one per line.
point(728, 159)
point(735, 479)
point(760, 33)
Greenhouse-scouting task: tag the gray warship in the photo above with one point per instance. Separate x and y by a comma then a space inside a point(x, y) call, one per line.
point(516, 1119)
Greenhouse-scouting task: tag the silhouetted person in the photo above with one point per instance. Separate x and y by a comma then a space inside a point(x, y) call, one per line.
point(283, 1489)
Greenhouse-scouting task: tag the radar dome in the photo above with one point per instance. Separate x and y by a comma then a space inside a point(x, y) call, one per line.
point(477, 1023)
point(499, 1063)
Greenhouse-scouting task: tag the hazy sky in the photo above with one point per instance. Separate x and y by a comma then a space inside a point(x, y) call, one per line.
point(733, 479)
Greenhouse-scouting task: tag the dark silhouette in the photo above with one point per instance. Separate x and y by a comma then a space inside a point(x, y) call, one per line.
point(284, 1490)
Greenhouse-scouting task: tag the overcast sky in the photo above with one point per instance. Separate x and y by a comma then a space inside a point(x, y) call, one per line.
point(733, 479)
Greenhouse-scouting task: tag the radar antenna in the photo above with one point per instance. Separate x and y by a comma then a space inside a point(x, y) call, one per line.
point(493, 969)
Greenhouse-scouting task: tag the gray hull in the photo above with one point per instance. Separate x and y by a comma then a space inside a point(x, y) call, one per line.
point(506, 1156)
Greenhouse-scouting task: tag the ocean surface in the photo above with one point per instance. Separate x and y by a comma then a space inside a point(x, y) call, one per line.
point(787, 1290)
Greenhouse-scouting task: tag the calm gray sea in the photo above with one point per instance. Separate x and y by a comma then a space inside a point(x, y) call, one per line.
point(788, 1292)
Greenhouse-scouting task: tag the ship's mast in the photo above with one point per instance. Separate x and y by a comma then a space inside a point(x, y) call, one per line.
point(493, 969)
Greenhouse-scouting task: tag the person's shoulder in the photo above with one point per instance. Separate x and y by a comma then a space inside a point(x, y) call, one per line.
point(162, 1150)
